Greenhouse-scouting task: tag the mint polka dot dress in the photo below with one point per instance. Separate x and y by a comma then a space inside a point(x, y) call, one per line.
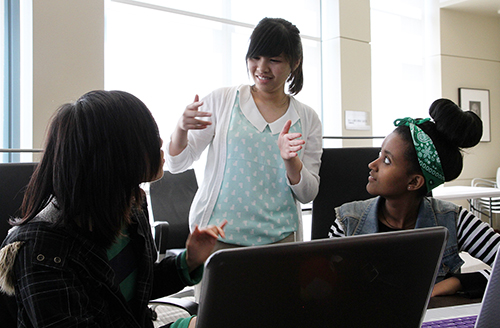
point(254, 198)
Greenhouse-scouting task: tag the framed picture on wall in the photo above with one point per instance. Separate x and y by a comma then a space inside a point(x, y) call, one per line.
point(478, 101)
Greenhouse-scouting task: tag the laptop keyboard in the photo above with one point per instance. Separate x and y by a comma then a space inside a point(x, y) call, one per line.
point(462, 322)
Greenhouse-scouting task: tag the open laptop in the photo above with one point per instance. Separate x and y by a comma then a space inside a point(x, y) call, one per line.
point(376, 280)
point(480, 315)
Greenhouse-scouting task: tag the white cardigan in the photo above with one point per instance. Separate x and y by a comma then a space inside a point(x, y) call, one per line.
point(220, 103)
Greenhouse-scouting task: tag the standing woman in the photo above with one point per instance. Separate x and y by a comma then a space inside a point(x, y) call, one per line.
point(264, 145)
point(416, 157)
point(83, 253)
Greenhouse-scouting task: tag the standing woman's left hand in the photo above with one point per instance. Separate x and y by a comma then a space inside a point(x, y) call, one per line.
point(200, 244)
point(289, 145)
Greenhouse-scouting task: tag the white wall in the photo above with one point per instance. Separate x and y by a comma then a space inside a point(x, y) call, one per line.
point(68, 56)
point(347, 67)
point(470, 58)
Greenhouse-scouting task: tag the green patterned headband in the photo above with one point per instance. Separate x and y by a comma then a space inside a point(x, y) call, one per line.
point(428, 157)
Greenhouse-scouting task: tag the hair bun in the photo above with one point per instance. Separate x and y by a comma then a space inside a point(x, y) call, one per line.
point(462, 128)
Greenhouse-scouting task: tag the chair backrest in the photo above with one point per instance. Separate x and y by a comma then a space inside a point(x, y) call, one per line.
point(171, 199)
point(498, 178)
point(14, 178)
point(344, 175)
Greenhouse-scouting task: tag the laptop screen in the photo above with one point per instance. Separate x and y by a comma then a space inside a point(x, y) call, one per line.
point(377, 280)
point(490, 308)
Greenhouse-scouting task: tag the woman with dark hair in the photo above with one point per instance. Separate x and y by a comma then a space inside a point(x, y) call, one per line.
point(83, 252)
point(264, 145)
point(416, 157)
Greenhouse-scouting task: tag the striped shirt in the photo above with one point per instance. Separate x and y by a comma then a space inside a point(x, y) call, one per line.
point(474, 237)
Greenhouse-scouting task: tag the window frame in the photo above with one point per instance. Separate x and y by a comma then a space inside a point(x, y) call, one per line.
point(12, 83)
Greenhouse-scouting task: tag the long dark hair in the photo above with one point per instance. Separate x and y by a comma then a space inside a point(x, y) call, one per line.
point(98, 151)
point(274, 36)
point(452, 130)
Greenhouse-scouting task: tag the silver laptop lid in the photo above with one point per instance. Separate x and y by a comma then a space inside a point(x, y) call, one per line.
point(377, 280)
point(489, 315)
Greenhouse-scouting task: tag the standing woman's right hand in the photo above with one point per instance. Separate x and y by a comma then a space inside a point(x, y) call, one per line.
point(188, 121)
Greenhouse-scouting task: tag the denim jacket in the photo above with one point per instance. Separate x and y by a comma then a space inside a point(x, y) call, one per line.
point(358, 218)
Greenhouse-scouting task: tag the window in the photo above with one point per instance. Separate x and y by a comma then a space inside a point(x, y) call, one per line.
point(9, 15)
point(16, 40)
point(399, 65)
point(5, 119)
point(166, 52)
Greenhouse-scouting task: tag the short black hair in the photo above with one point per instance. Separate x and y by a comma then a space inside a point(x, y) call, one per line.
point(273, 37)
point(98, 151)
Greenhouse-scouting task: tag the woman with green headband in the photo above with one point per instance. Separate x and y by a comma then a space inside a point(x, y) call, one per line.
point(416, 157)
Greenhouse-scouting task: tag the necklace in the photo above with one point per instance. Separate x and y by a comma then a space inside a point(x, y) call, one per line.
point(409, 225)
point(384, 219)
point(283, 103)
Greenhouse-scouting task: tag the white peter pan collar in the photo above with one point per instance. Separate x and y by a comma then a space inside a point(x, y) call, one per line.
point(251, 112)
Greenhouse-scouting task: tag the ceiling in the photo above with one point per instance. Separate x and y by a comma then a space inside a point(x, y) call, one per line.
point(480, 7)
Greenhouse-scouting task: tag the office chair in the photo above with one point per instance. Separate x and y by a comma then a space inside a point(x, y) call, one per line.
point(344, 175)
point(171, 199)
point(485, 205)
point(14, 178)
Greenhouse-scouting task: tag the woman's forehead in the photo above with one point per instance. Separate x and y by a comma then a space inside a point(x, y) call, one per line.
point(394, 144)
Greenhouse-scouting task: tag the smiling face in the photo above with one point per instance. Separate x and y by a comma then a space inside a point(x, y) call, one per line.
point(269, 73)
point(390, 175)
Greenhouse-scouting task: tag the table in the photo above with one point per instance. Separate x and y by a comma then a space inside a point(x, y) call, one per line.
point(467, 192)
point(454, 311)
point(443, 307)
point(451, 300)
point(464, 192)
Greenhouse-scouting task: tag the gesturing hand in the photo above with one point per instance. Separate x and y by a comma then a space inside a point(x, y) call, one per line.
point(189, 119)
point(288, 143)
point(200, 244)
